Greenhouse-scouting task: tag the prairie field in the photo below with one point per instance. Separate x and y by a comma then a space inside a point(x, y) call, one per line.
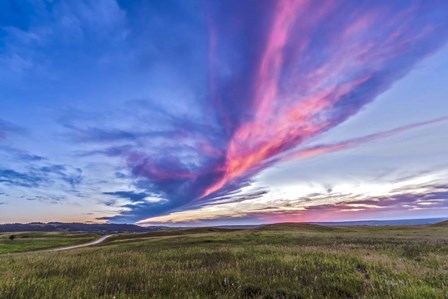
point(274, 261)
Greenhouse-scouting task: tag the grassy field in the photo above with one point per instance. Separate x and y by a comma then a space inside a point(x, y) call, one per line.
point(29, 241)
point(277, 261)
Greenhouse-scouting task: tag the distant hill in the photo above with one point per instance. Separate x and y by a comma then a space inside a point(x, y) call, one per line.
point(75, 227)
point(295, 226)
point(443, 223)
point(393, 222)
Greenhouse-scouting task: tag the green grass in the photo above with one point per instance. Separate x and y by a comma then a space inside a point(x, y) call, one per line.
point(280, 261)
point(29, 241)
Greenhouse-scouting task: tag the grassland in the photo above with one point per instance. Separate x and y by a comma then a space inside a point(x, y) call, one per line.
point(278, 261)
point(30, 241)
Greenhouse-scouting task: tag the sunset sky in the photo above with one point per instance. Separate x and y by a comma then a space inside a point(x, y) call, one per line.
point(223, 112)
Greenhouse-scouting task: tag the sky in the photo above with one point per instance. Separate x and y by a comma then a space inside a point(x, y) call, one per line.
point(160, 112)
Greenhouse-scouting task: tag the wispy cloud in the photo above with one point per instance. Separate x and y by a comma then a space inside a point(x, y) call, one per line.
point(19, 154)
point(36, 176)
point(327, 148)
point(12, 177)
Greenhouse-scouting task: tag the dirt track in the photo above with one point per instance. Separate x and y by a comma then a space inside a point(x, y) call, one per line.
point(98, 241)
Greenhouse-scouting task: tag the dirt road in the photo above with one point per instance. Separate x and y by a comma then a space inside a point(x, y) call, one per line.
point(98, 241)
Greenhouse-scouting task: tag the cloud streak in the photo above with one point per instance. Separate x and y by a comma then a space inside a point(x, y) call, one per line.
point(35, 176)
point(328, 148)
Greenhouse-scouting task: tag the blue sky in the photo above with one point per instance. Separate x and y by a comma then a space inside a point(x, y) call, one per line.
point(211, 112)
